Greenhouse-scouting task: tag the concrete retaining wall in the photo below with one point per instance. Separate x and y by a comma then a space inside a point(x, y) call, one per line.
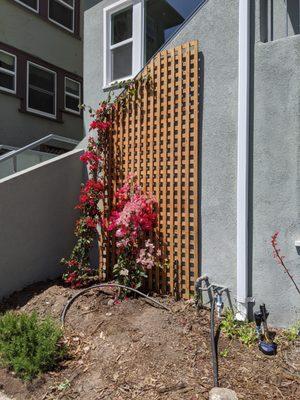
point(37, 221)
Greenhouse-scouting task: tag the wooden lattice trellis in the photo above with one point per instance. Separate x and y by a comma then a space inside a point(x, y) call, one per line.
point(156, 137)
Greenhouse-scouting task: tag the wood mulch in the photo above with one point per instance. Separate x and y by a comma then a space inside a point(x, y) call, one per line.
point(132, 351)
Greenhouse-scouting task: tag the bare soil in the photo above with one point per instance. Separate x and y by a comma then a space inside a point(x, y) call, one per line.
point(132, 350)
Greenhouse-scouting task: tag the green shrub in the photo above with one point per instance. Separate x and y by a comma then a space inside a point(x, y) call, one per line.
point(29, 346)
point(233, 329)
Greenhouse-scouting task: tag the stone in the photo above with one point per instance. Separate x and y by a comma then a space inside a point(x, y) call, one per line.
point(222, 394)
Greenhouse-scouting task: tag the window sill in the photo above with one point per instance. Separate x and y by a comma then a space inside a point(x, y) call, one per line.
point(57, 119)
point(71, 113)
point(9, 93)
point(73, 34)
point(116, 84)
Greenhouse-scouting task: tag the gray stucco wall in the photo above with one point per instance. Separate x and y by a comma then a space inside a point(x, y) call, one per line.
point(274, 146)
point(276, 174)
point(37, 221)
point(93, 54)
point(216, 27)
point(18, 129)
point(218, 45)
point(23, 29)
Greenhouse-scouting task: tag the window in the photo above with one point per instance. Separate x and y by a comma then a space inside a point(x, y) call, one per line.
point(8, 68)
point(122, 40)
point(121, 44)
point(72, 95)
point(32, 4)
point(61, 12)
point(135, 29)
point(41, 90)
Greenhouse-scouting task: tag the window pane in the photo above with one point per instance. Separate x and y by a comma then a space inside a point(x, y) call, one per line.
point(41, 101)
point(30, 3)
point(121, 26)
point(7, 81)
point(72, 103)
point(7, 61)
point(72, 87)
point(122, 62)
point(41, 78)
point(172, 13)
point(61, 14)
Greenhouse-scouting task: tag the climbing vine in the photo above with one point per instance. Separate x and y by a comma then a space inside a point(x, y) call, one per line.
point(135, 254)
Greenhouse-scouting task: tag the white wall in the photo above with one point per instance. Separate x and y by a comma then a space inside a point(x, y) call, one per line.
point(37, 220)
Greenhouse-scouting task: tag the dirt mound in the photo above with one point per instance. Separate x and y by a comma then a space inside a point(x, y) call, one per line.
point(132, 350)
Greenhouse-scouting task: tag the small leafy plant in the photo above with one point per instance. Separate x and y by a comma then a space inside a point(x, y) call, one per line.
point(293, 333)
point(233, 329)
point(29, 346)
point(66, 384)
point(224, 353)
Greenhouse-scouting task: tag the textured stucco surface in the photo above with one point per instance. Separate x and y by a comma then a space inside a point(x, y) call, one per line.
point(218, 45)
point(274, 146)
point(23, 29)
point(216, 27)
point(18, 129)
point(93, 55)
point(40, 38)
point(37, 221)
point(276, 175)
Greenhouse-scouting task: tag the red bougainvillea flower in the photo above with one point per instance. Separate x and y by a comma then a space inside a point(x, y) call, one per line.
point(100, 125)
point(90, 222)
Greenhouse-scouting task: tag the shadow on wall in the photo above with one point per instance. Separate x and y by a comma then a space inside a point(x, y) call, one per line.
point(87, 4)
point(200, 139)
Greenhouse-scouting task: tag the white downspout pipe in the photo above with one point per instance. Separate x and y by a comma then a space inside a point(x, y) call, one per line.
point(243, 160)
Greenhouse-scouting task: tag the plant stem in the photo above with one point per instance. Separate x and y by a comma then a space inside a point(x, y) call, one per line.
point(278, 256)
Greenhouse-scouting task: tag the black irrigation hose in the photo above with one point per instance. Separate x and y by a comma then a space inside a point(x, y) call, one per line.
point(69, 303)
point(213, 343)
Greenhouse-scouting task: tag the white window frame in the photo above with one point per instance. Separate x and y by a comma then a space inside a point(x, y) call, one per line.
point(136, 40)
point(66, 93)
point(70, 8)
point(36, 10)
point(8, 72)
point(44, 114)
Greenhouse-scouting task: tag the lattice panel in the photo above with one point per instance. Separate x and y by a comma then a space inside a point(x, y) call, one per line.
point(156, 138)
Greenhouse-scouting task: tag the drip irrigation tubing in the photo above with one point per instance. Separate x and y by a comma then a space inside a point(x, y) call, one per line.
point(213, 343)
point(101, 285)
